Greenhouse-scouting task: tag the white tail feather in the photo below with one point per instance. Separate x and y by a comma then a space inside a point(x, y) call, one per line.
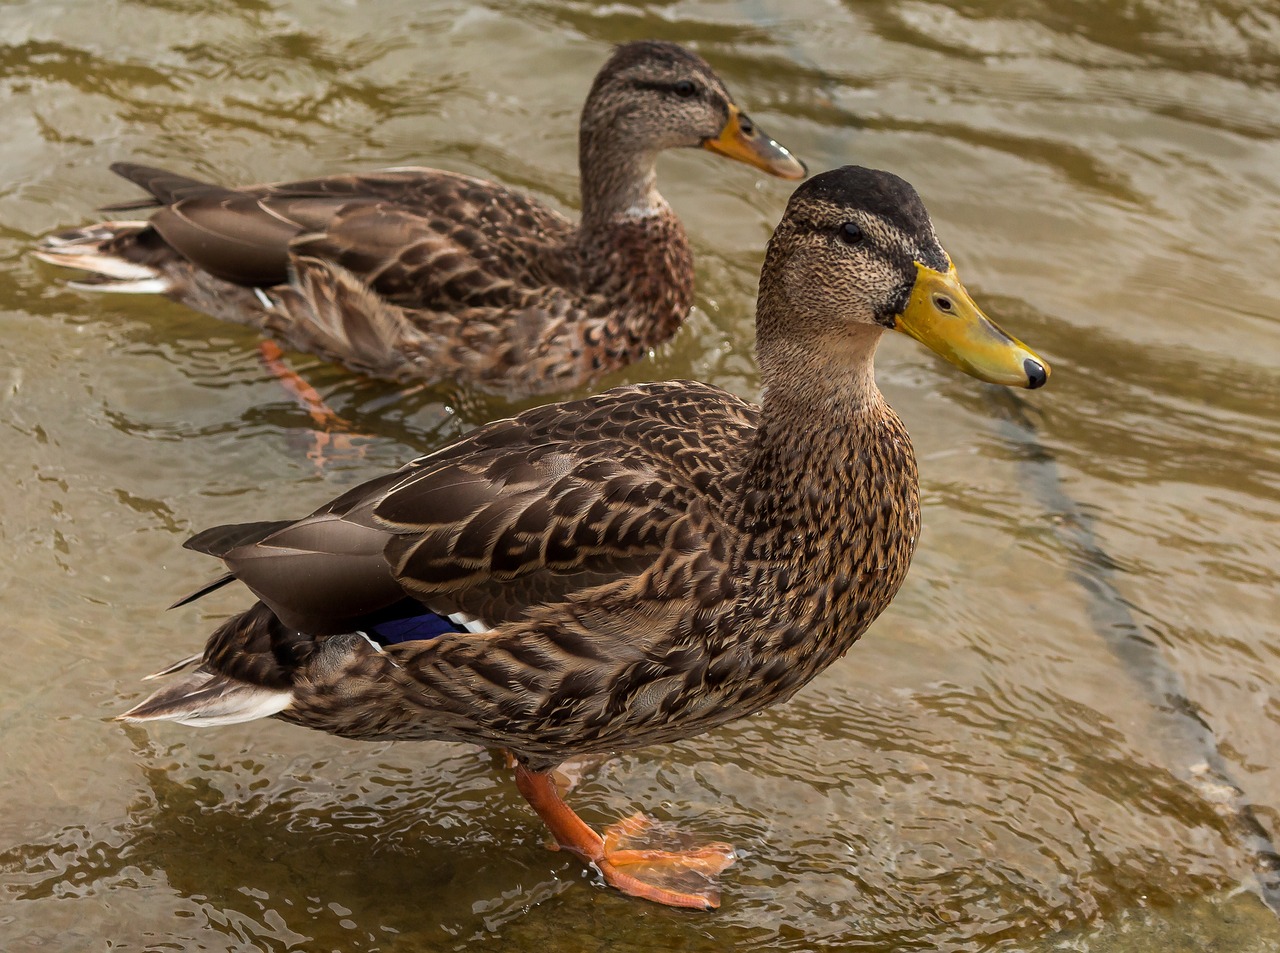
point(90, 259)
point(205, 700)
point(83, 249)
point(144, 286)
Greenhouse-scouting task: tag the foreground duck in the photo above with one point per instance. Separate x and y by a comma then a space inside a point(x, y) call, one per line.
point(632, 568)
point(420, 275)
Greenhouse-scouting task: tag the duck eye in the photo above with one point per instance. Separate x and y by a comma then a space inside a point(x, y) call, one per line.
point(684, 89)
point(851, 233)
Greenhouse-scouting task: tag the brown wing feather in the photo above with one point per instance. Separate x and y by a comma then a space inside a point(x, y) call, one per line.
point(237, 236)
point(221, 539)
point(162, 185)
point(523, 511)
point(417, 236)
point(435, 240)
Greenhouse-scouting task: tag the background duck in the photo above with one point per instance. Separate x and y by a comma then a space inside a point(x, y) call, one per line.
point(632, 568)
point(420, 275)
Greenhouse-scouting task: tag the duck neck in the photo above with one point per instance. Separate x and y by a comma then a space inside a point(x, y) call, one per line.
point(619, 183)
point(827, 440)
point(633, 253)
point(829, 510)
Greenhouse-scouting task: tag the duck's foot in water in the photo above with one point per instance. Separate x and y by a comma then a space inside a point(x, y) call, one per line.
point(334, 438)
point(688, 874)
point(682, 878)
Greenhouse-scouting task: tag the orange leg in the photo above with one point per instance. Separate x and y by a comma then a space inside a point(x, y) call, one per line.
point(300, 390)
point(335, 433)
point(675, 878)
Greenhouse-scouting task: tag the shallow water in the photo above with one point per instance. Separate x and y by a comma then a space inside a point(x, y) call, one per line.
point(1030, 751)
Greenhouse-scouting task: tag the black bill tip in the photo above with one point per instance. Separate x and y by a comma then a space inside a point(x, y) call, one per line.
point(1036, 374)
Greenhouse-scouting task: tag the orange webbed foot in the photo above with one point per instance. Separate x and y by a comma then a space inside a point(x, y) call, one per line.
point(635, 864)
point(628, 856)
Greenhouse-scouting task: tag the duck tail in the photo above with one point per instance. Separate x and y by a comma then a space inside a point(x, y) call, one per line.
point(109, 252)
point(205, 699)
point(246, 672)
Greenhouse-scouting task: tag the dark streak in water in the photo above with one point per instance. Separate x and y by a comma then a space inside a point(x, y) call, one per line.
point(1090, 566)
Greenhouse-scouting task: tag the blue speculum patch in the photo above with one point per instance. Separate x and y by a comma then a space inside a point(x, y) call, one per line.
point(411, 628)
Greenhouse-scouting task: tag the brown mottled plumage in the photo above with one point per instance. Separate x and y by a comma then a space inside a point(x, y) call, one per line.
point(420, 275)
point(639, 566)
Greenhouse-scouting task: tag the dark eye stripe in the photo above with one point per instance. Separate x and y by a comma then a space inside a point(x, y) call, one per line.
point(684, 88)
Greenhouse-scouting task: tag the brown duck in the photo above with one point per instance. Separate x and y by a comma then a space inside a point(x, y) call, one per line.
point(636, 567)
point(421, 275)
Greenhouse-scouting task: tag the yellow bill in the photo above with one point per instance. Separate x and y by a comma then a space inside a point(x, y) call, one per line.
point(942, 317)
point(743, 140)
